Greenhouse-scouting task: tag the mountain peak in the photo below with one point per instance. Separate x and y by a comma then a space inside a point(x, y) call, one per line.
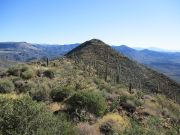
point(93, 42)
point(91, 47)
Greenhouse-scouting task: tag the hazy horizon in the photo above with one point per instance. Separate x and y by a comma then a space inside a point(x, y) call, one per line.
point(134, 23)
point(135, 47)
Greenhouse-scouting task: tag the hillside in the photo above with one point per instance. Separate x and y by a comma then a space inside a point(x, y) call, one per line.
point(167, 63)
point(22, 51)
point(115, 67)
point(164, 62)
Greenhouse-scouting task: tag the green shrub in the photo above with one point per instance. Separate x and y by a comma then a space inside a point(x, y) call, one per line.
point(22, 116)
point(49, 74)
point(39, 96)
point(18, 83)
point(41, 92)
point(3, 73)
point(28, 74)
point(15, 78)
point(139, 94)
point(22, 71)
point(6, 86)
point(60, 93)
point(91, 101)
point(138, 102)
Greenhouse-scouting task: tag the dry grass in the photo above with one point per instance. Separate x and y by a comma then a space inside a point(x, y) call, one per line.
point(12, 95)
point(55, 106)
point(153, 108)
point(174, 108)
point(86, 129)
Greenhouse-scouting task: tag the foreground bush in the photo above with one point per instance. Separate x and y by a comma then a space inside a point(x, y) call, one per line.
point(6, 86)
point(91, 101)
point(22, 116)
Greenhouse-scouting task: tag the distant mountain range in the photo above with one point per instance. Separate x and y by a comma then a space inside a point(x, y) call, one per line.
point(22, 51)
point(164, 62)
point(156, 49)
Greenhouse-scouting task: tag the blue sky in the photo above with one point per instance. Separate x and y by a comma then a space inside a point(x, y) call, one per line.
point(136, 23)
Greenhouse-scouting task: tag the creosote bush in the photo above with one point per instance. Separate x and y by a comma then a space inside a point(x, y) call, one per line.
point(15, 71)
point(22, 71)
point(91, 101)
point(128, 101)
point(22, 116)
point(24, 86)
point(40, 95)
point(3, 73)
point(28, 74)
point(60, 93)
point(41, 92)
point(24, 68)
point(6, 86)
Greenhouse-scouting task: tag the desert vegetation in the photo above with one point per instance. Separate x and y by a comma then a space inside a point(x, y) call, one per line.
point(68, 97)
point(77, 101)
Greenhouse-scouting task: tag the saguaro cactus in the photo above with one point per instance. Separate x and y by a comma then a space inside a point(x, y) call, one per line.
point(47, 61)
point(118, 74)
point(106, 66)
point(130, 87)
point(106, 72)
